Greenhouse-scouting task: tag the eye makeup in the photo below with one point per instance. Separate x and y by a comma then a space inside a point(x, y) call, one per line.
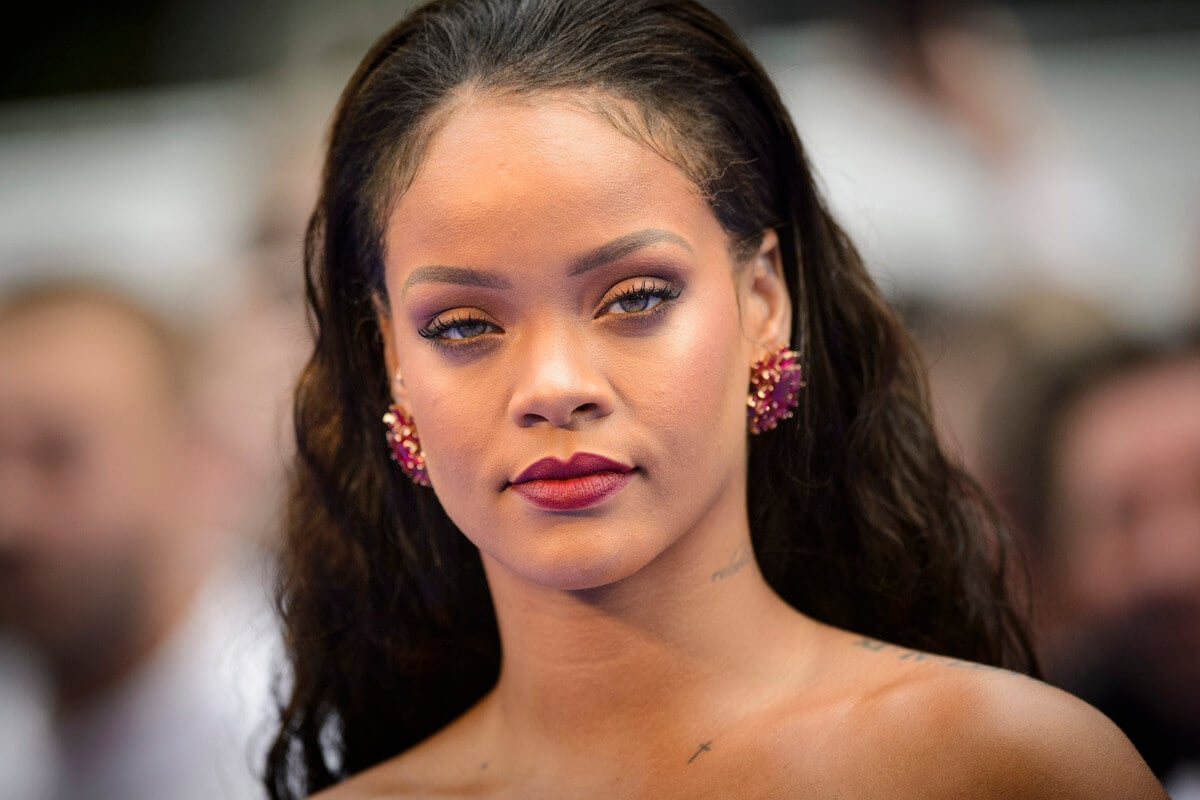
point(640, 296)
point(631, 302)
point(457, 329)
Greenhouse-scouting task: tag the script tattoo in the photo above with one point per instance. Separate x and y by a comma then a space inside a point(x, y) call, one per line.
point(704, 748)
point(740, 558)
point(904, 654)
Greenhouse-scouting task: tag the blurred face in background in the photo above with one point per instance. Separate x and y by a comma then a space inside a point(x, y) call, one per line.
point(1127, 510)
point(89, 446)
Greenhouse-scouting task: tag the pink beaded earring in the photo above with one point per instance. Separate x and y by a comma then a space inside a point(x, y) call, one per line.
point(775, 383)
point(406, 447)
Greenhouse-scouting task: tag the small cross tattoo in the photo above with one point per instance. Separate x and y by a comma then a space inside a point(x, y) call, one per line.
point(704, 748)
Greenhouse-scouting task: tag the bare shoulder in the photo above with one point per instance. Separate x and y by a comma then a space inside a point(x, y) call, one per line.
point(991, 731)
point(377, 783)
point(1049, 743)
point(393, 779)
point(449, 764)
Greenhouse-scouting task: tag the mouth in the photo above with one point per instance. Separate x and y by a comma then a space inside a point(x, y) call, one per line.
point(583, 480)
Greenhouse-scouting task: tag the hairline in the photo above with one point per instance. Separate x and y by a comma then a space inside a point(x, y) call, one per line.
point(401, 164)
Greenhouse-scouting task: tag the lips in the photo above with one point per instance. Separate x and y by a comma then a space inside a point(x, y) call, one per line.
point(583, 480)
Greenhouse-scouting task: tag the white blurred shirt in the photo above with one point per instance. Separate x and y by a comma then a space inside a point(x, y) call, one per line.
point(1184, 782)
point(193, 723)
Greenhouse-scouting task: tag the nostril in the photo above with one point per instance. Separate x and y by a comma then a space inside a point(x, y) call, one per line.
point(583, 410)
point(529, 420)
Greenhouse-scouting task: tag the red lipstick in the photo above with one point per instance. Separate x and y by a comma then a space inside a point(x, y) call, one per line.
point(583, 480)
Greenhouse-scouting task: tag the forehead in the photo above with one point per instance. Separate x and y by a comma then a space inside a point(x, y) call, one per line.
point(1130, 424)
point(506, 171)
point(80, 357)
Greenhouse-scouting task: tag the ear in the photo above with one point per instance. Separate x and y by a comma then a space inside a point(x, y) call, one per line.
point(766, 304)
point(383, 318)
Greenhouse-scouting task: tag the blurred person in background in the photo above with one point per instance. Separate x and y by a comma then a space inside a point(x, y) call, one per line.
point(116, 572)
point(1090, 443)
point(981, 363)
point(984, 367)
point(1113, 492)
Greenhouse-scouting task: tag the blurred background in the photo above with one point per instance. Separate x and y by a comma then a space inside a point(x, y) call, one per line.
point(1023, 179)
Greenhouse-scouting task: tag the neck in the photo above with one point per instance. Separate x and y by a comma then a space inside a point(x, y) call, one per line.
point(660, 651)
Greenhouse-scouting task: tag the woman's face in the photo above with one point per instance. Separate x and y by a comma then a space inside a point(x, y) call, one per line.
point(559, 291)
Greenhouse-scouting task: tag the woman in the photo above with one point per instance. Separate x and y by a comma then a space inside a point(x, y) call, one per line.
point(572, 252)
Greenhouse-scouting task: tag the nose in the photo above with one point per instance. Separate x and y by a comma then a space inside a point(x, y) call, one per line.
point(558, 382)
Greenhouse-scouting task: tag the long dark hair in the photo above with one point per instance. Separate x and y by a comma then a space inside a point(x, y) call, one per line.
point(857, 517)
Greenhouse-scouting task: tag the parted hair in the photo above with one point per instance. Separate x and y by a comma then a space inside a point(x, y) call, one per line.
point(857, 516)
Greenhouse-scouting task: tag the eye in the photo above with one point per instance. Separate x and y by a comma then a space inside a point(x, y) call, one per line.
point(460, 327)
point(639, 297)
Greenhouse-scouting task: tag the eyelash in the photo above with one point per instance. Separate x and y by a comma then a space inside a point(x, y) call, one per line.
point(664, 291)
point(647, 289)
point(435, 331)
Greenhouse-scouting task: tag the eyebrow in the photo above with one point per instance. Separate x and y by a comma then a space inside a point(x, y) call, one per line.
point(604, 254)
point(622, 246)
point(459, 276)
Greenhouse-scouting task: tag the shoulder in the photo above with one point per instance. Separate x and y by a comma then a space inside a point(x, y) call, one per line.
point(453, 763)
point(991, 732)
point(405, 776)
point(1043, 742)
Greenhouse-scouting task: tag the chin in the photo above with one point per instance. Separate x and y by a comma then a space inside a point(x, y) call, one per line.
point(578, 557)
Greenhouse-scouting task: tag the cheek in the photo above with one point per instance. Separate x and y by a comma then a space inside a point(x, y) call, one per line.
point(95, 497)
point(693, 388)
point(679, 409)
point(458, 414)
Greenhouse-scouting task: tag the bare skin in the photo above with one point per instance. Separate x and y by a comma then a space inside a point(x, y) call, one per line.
point(644, 654)
point(876, 721)
point(100, 556)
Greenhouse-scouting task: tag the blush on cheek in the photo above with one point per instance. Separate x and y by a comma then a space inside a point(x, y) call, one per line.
point(702, 392)
point(453, 442)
